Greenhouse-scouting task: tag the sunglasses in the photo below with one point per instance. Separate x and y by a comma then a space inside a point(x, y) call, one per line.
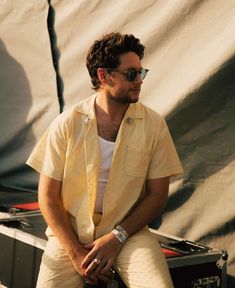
point(131, 73)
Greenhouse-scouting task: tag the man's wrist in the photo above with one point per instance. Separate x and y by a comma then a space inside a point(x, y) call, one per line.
point(120, 233)
point(75, 251)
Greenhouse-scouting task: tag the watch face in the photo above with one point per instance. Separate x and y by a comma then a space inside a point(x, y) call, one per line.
point(120, 236)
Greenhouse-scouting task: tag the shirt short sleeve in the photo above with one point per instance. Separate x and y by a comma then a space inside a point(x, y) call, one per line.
point(48, 157)
point(164, 159)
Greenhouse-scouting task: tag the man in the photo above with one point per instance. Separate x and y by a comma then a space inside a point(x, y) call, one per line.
point(104, 170)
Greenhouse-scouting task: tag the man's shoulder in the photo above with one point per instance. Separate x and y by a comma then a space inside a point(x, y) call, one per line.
point(84, 107)
point(147, 112)
point(154, 121)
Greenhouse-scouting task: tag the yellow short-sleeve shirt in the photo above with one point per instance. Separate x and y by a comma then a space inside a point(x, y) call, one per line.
point(69, 152)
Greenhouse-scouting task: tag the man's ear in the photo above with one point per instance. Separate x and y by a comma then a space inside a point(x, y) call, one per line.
point(103, 76)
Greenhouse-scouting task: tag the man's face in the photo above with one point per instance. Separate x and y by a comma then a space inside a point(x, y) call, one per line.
point(121, 90)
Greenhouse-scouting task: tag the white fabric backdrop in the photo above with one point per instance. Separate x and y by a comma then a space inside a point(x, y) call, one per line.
point(190, 48)
point(28, 93)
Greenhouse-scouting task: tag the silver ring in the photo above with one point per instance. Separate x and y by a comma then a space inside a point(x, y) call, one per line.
point(97, 261)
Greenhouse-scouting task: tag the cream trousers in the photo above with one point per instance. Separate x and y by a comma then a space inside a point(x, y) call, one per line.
point(140, 264)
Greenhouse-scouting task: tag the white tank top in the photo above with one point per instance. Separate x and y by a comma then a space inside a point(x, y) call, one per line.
point(106, 152)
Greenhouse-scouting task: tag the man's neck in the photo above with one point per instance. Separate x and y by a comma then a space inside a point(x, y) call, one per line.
point(109, 115)
point(111, 108)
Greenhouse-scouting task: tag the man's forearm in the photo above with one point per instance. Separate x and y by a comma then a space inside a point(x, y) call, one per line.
point(142, 215)
point(57, 219)
point(55, 215)
point(149, 208)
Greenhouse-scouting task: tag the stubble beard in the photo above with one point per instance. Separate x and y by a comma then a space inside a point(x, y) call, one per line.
point(124, 99)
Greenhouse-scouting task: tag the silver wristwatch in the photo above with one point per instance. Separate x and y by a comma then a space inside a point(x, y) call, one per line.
point(120, 233)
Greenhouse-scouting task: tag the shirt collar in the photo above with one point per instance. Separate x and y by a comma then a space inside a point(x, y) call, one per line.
point(87, 107)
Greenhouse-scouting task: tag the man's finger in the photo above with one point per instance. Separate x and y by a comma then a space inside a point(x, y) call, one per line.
point(108, 268)
point(93, 266)
point(88, 259)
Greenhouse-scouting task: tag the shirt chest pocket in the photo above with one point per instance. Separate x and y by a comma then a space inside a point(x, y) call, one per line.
point(136, 162)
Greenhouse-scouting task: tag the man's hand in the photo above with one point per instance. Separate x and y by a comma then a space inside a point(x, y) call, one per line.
point(105, 250)
point(77, 259)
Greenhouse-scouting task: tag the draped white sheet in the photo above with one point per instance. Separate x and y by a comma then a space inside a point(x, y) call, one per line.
point(28, 93)
point(190, 49)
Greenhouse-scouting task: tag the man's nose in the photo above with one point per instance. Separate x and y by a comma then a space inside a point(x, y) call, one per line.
point(138, 79)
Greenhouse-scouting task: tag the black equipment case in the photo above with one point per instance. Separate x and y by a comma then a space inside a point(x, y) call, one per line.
point(193, 265)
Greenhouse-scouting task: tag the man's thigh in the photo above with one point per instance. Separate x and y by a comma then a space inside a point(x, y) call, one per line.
point(56, 270)
point(141, 262)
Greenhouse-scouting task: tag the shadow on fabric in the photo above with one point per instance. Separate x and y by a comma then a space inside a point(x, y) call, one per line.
point(17, 137)
point(203, 129)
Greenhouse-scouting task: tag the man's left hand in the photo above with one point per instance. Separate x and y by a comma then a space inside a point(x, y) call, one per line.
point(103, 253)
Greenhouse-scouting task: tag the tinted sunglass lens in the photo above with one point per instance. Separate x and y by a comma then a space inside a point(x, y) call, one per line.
point(131, 75)
point(143, 73)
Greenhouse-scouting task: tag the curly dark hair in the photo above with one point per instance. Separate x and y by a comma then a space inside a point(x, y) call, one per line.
point(105, 52)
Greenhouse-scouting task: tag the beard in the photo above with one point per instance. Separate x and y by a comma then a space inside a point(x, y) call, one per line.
point(124, 99)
